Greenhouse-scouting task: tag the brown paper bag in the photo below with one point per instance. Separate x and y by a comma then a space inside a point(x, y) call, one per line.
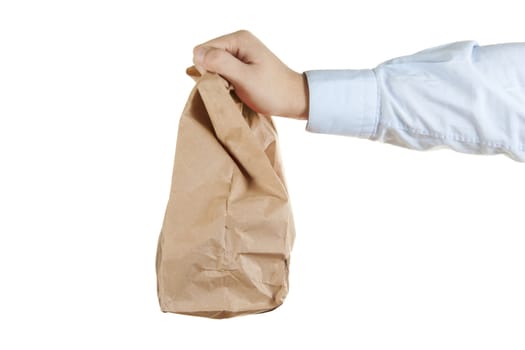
point(224, 248)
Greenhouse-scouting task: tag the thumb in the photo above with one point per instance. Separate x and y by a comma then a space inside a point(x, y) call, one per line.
point(219, 61)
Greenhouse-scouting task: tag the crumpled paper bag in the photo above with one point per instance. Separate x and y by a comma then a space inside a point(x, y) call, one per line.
point(224, 248)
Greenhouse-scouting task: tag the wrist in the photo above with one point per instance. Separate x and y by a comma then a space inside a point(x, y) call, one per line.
point(303, 110)
point(299, 98)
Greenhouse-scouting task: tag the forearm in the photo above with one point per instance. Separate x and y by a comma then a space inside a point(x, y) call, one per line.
point(460, 95)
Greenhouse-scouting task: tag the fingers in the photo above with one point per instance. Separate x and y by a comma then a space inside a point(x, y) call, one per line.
point(241, 44)
point(228, 42)
point(220, 61)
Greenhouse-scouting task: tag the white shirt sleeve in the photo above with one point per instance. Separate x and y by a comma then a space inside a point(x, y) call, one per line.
point(467, 97)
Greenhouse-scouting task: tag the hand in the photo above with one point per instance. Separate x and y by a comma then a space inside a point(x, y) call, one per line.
point(260, 79)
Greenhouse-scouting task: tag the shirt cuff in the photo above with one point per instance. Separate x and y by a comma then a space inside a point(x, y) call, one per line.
point(342, 102)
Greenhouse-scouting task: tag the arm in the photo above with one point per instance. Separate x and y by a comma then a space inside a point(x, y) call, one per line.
point(461, 95)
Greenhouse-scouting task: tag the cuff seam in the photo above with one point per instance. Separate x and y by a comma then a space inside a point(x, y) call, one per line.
point(378, 107)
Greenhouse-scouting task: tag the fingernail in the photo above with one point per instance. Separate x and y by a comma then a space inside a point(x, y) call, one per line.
point(200, 69)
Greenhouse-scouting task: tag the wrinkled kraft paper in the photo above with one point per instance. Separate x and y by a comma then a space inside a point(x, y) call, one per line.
point(224, 248)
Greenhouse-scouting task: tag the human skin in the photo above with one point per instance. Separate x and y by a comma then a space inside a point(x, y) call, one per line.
point(261, 80)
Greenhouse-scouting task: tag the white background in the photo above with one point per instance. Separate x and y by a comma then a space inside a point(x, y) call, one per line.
point(395, 249)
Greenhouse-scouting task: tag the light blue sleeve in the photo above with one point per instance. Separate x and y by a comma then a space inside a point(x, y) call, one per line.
point(461, 95)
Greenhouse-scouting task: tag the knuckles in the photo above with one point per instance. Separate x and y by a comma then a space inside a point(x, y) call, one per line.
point(243, 33)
